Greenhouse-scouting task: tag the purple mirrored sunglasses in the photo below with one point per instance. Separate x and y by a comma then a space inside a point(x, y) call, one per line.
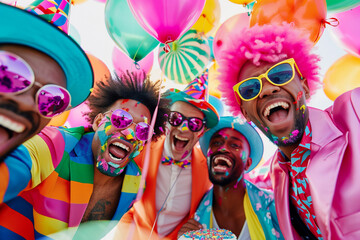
point(122, 119)
point(16, 76)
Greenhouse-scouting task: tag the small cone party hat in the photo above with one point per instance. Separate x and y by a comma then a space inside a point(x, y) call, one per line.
point(53, 11)
point(196, 94)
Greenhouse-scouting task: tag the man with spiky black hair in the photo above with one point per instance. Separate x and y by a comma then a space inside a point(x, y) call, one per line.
point(69, 176)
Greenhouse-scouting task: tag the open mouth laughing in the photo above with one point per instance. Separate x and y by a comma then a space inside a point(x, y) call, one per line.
point(118, 152)
point(276, 112)
point(180, 142)
point(14, 130)
point(221, 164)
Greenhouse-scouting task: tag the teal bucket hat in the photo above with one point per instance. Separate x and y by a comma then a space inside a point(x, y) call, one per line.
point(41, 26)
point(252, 136)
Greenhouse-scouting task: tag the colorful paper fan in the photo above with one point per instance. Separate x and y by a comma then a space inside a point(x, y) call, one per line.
point(184, 59)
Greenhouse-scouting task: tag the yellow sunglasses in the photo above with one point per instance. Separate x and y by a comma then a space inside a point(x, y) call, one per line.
point(278, 75)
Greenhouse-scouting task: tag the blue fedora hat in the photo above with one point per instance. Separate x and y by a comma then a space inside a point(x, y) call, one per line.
point(42, 28)
point(252, 136)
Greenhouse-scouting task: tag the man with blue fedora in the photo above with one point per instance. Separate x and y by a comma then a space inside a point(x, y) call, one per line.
point(43, 71)
point(177, 177)
point(234, 203)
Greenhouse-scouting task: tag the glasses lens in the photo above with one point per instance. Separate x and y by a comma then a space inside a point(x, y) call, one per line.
point(281, 73)
point(121, 118)
point(15, 74)
point(195, 124)
point(175, 118)
point(52, 100)
point(249, 89)
point(142, 131)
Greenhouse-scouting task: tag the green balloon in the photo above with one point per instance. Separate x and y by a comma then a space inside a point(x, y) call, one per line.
point(128, 35)
point(341, 5)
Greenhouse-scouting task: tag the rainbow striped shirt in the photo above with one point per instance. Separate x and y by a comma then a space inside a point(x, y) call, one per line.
point(47, 182)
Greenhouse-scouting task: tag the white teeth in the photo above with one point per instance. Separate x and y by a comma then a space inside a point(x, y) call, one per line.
point(217, 159)
point(121, 145)
point(115, 158)
point(11, 125)
point(182, 138)
point(274, 105)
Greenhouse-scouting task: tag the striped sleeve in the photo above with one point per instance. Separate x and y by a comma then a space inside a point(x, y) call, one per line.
point(31, 163)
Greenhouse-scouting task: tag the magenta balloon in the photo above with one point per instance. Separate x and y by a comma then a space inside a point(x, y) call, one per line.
point(122, 62)
point(166, 20)
point(234, 23)
point(76, 118)
point(347, 33)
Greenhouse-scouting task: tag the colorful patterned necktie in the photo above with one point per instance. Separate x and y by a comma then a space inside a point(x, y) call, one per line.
point(183, 164)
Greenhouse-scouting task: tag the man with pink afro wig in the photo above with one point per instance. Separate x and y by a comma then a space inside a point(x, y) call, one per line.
point(267, 74)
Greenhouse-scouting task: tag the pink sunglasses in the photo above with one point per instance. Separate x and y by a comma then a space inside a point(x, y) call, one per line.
point(16, 76)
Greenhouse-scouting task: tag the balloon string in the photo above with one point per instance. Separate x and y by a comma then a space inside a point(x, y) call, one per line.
point(146, 164)
point(167, 47)
point(334, 22)
point(137, 65)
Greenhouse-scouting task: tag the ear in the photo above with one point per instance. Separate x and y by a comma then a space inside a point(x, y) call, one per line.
point(243, 111)
point(248, 164)
point(305, 85)
point(97, 121)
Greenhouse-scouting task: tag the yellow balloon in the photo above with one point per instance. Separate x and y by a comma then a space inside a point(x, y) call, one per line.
point(59, 120)
point(209, 18)
point(241, 1)
point(342, 76)
point(214, 81)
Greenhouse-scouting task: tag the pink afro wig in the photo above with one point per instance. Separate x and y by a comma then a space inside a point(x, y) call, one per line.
point(268, 43)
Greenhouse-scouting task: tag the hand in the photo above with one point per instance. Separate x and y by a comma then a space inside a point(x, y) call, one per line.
point(190, 225)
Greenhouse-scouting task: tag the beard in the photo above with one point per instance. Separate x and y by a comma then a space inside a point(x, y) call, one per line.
point(295, 136)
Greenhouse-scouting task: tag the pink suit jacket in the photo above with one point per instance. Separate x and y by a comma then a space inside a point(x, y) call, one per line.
point(143, 212)
point(333, 171)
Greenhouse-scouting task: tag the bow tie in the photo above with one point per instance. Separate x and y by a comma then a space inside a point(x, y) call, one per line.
point(168, 160)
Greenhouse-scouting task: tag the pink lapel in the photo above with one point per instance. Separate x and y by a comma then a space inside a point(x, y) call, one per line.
point(327, 151)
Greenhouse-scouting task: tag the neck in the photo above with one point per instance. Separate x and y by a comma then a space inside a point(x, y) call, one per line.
point(229, 199)
point(288, 150)
point(101, 180)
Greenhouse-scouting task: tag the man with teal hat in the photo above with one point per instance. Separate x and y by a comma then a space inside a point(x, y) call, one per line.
point(43, 71)
point(177, 177)
point(234, 203)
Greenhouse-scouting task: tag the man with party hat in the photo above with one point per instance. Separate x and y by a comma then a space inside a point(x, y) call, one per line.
point(43, 71)
point(177, 177)
point(233, 147)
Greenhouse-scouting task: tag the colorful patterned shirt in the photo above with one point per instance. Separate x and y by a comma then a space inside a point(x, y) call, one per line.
point(299, 191)
point(259, 207)
point(47, 183)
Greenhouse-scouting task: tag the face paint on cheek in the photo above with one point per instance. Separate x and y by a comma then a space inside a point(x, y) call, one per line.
point(125, 101)
point(243, 156)
point(299, 95)
point(209, 152)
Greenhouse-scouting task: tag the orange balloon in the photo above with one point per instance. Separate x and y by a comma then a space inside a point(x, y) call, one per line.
point(342, 76)
point(101, 71)
point(209, 18)
point(214, 81)
point(59, 120)
point(308, 15)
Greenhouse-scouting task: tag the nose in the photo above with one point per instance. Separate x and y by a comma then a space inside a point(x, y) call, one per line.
point(268, 89)
point(184, 126)
point(128, 133)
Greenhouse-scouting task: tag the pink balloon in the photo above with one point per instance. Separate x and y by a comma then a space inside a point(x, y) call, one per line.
point(166, 20)
point(347, 33)
point(122, 62)
point(76, 118)
point(234, 23)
